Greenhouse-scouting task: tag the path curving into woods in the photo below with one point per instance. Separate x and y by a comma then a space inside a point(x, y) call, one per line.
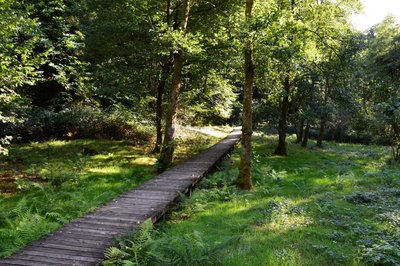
point(84, 240)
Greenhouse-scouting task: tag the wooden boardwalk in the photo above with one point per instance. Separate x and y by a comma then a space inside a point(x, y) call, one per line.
point(84, 240)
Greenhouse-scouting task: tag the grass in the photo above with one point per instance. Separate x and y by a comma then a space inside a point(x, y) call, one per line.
point(333, 206)
point(45, 185)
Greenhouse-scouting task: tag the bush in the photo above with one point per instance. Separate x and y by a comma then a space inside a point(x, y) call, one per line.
point(77, 122)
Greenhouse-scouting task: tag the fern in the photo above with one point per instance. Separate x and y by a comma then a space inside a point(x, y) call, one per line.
point(133, 251)
point(189, 249)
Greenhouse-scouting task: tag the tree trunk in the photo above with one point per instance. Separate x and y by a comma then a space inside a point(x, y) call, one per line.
point(305, 136)
point(282, 149)
point(165, 72)
point(299, 134)
point(167, 150)
point(321, 133)
point(323, 120)
point(245, 166)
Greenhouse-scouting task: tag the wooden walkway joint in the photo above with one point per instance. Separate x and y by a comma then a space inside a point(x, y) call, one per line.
point(84, 240)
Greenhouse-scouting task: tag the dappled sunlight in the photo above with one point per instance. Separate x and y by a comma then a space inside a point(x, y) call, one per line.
point(144, 161)
point(218, 132)
point(314, 207)
point(105, 170)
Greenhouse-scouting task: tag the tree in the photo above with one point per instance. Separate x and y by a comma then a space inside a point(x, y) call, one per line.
point(168, 147)
point(19, 35)
point(381, 59)
point(245, 165)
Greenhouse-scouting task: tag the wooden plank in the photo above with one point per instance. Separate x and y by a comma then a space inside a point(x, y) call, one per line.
point(79, 235)
point(95, 222)
point(34, 261)
point(66, 246)
point(131, 220)
point(137, 202)
point(143, 199)
point(67, 252)
point(60, 257)
point(92, 232)
point(83, 225)
point(76, 242)
point(137, 192)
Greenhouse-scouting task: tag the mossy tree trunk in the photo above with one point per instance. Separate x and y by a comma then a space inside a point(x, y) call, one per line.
point(245, 166)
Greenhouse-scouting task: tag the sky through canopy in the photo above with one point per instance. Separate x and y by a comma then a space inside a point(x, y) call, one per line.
point(374, 12)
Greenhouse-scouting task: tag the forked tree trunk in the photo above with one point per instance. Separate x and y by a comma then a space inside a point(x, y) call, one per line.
point(306, 134)
point(167, 150)
point(245, 166)
point(281, 149)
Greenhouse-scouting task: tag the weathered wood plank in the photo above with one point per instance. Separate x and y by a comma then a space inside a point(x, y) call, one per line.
point(76, 242)
point(60, 256)
point(35, 261)
point(66, 246)
point(67, 252)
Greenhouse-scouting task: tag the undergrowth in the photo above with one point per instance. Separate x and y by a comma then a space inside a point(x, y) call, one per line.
point(333, 206)
point(45, 185)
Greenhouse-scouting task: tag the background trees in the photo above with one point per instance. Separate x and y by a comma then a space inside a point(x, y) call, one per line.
point(118, 58)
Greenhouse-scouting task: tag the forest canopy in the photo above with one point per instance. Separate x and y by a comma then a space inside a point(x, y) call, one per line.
point(111, 64)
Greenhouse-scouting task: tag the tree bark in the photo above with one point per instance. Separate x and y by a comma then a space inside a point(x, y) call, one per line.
point(300, 131)
point(167, 150)
point(165, 72)
point(281, 149)
point(245, 166)
point(304, 142)
point(323, 120)
point(321, 133)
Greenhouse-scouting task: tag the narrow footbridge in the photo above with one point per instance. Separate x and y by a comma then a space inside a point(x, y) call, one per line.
point(84, 240)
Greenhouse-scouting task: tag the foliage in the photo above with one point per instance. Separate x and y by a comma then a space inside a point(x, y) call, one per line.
point(133, 251)
point(78, 121)
point(335, 206)
point(149, 247)
point(18, 62)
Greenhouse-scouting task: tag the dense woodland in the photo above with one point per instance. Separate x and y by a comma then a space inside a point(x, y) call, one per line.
point(135, 70)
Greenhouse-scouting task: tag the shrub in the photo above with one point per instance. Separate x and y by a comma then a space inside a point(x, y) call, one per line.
point(77, 122)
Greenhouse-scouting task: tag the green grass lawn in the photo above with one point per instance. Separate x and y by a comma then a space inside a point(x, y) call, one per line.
point(333, 206)
point(45, 185)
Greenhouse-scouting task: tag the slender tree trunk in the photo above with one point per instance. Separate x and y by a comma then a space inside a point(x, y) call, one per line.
point(245, 166)
point(304, 142)
point(299, 134)
point(167, 150)
point(396, 141)
point(282, 149)
point(321, 133)
point(323, 120)
point(165, 72)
